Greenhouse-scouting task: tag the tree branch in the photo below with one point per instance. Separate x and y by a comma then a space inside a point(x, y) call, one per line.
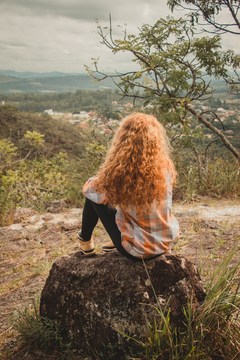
point(215, 130)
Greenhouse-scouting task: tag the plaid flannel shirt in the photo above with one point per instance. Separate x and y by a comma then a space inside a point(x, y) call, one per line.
point(143, 235)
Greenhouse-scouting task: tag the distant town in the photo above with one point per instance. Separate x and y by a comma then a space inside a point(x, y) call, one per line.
point(86, 119)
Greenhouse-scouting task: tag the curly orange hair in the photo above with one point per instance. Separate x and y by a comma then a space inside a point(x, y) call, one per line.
point(137, 164)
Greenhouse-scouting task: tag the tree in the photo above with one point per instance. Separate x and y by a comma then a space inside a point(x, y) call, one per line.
point(208, 11)
point(173, 65)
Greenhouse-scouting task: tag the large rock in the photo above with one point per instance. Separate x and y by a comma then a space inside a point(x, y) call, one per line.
point(57, 206)
point(92, 299)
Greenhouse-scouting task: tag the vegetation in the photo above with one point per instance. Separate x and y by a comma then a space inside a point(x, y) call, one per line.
point(43, 159)
point(212, 331)
point(35, 331)
point(218, 177)
point(173, 66)
point(59, 136)
point(206, 14)
point(80, 100)
point(208, 11)
point(41, 162)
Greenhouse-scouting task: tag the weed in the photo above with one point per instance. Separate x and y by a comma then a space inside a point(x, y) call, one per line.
point(211, 332)
point(40, 333)
point(43, 268)
point(218, 178)
point(181, 242)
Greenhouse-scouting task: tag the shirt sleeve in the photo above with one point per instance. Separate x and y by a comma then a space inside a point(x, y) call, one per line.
point(90, 192)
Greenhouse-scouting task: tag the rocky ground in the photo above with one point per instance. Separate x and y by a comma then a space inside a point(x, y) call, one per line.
point(209, 230)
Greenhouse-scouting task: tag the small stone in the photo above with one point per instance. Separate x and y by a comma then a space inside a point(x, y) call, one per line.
point(146, 295)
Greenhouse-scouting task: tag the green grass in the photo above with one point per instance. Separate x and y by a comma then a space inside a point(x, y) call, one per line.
point(219, 178)
point(212, 330)
point(40, 333)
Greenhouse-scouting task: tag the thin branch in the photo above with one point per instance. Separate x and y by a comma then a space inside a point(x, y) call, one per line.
point(205, 112)
point(17, 161)
point(215, 130)
point(209, 146)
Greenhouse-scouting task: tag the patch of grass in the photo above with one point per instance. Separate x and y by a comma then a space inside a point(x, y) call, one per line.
point(15, 283)
point(212, 330)
point(39, 333)
point(17, 269)
point(181, 242)
point(219, 178)
point(61, 251)
point(43, 268)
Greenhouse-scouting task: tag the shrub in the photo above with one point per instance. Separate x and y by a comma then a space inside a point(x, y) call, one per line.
point(218, 178)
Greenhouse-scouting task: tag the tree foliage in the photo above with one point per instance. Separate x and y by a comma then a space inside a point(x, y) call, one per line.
point(80, 100)
point(215, 16)
point(209, 11)
point(8, 151)
point(172, 67)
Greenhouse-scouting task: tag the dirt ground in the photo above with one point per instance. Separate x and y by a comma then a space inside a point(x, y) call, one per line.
point(209, 230)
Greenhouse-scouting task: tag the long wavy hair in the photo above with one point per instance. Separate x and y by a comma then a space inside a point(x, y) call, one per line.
point(137, 164)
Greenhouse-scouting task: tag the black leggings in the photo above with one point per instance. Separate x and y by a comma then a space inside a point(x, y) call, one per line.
point(91, 213)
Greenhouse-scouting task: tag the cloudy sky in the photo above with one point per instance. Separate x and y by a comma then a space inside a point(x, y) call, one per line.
point(60, 35)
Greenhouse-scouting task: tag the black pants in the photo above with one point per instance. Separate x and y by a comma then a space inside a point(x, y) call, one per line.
point(91, 213)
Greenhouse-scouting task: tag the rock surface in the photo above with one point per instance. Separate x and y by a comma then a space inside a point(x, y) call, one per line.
point(56, 206)
point(92, 299)
point(21, 214)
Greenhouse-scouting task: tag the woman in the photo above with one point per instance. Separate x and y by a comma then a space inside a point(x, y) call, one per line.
point(132, 193)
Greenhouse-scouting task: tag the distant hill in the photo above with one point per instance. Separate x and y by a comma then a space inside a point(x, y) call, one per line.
point(59, 136)
point(13, 82)
point(6, 79)
point(47, 85)
point(32, 75)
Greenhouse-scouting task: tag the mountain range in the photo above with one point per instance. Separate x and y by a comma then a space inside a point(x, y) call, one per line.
point(12, 82)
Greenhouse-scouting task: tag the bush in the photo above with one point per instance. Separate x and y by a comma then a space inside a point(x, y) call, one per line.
point(33, 172)
point(217, 178)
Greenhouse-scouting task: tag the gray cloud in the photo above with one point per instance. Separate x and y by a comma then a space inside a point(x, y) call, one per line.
point(85, 10)
point(48, 35)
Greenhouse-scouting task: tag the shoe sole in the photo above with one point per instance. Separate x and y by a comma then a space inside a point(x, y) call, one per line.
point(108, 249)
point(88, 253)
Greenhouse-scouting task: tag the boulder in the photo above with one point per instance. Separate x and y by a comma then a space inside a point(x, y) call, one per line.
point(21, 214)
point(57, 206)
point(97, 300)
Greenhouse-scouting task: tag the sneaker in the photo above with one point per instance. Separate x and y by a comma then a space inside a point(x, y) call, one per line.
point(108, 246)
point(87, 247)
